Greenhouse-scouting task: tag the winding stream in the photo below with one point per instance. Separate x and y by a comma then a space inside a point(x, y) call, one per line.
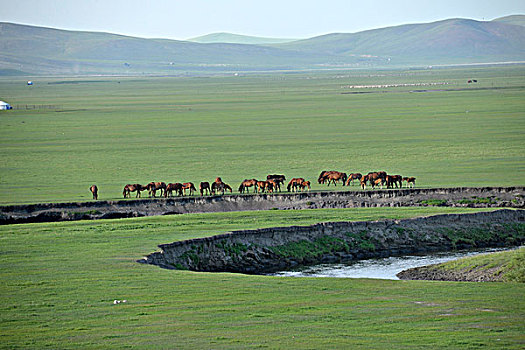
point(384, 268)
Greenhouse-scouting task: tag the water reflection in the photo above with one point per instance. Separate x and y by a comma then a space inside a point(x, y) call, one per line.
point(384, 268)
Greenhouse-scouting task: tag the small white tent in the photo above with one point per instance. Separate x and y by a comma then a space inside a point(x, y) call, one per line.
point(5, 105)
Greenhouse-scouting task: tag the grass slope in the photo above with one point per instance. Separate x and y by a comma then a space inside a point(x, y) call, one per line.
point(451, 40)
point(114, 131)
point(501, 266)
point(58, 282)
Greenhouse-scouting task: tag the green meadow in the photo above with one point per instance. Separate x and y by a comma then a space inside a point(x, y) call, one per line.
point(58, 282)
point(111, 131)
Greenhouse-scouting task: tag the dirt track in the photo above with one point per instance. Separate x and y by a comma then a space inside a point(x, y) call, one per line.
point(479, 197)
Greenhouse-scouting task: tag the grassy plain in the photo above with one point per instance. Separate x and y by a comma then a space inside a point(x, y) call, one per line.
point(58, 282)
point(117, 130)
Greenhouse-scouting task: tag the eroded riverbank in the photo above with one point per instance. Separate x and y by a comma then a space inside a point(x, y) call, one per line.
point(475, 197)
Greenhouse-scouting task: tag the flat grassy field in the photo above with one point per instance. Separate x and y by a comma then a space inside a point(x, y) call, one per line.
point(111, 131)
point(58, 282)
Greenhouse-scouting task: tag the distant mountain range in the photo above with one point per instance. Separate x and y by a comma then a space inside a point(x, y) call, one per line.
point(33, 50)
point(229, 38)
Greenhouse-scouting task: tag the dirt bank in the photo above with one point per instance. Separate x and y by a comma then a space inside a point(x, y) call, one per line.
point(432, 273)
point(479, 197)
point(281, 248)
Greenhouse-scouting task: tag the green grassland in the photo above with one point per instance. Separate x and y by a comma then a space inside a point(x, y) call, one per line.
point(506, 266)
point(58, 282)
point(114, 130)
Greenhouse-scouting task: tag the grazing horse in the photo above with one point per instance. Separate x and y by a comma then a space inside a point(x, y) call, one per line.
point(363, 181)
point(177, 187)
point(411, 181)
point(248, 183)
point(262, 186)
point(132, 188)
point(352, 177)
point(394, 181)
point(295, 184)
point(373, 176)
point(305, 184)
point(205, 187)
point(220, 187)
point(154, 186)
point(275, 185)
point(377, 182)
point(277, 179)
point(334, 177)
point(189, 186)
point(321, 178)
point(94, 191)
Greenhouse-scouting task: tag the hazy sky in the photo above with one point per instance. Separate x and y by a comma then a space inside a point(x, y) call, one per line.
point(177, 19)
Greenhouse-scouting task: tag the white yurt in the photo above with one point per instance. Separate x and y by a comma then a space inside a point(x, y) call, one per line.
point(5, 105)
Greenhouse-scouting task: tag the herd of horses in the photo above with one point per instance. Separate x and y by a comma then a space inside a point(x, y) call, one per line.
point(373, 178)
point(271, 184)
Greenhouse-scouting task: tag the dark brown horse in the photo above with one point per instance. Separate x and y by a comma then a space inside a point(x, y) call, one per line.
point(394, 181)
point(217, 187)
point(94, 191)
point(132, 188)
point(352, 177)
point(248, 183)
point(277, 179)
point(154, 186)
point(321, 178)
point(295, 184)
point(205, 187)
point(275, 185)
point(177, 187)
point(189, 186)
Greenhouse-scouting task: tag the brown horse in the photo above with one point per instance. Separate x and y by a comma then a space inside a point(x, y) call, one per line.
point(154, 186)
point(352, 177)
point(363, 181)
point(177, 187)
point(378, 182)
point(248, 183)
point(262, 186)
point(295, 184)
point(305, 184)
point(189, 186)
point(205, 187)
point(394, 181)
point(220, 187)
point(276, 185)
point(277, 179)
point(94, 191)
point(132, 188)
point(411, 181)
point(373, 176)
point(321, 179)
point(334, 177)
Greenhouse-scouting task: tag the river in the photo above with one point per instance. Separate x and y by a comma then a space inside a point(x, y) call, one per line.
point(384, 268)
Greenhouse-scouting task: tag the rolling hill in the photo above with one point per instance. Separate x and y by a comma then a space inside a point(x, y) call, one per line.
point(518, 20)
point(37, 50)
point(452, 40)
point(237, 39)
